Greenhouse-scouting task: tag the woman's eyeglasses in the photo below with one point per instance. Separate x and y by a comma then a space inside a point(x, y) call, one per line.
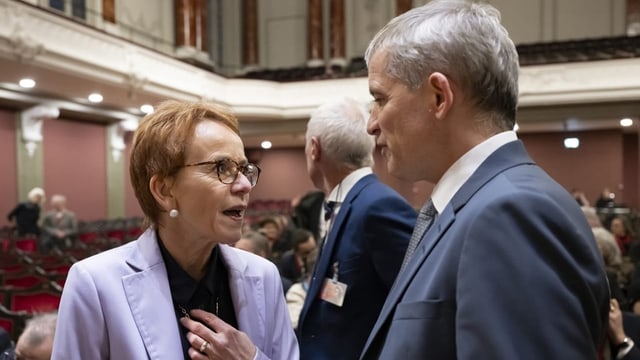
point(228, 170)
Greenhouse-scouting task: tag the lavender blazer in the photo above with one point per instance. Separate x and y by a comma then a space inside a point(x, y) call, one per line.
point(117, 305)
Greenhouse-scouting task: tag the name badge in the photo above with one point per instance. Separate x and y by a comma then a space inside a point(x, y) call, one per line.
point(333, 292)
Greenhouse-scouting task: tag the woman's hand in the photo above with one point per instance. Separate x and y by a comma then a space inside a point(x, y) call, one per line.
point(212, 338)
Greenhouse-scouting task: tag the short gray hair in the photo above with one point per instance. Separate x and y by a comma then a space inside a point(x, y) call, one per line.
point(259, 242)
point(341, 128)
point(608, 247)
point(40, 328)
point(463, 40)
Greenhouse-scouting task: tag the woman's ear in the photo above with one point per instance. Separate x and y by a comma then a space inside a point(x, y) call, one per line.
point(160, 188)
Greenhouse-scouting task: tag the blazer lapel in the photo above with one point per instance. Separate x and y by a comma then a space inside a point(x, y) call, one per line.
point(250, 314)
point(148, 293)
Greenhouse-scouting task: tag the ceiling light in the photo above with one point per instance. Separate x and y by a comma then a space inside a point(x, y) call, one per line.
point(266, 144)
point(626, 122)
point(146, 108)
point(27, 83)
point(95, 98)
point(571, 142)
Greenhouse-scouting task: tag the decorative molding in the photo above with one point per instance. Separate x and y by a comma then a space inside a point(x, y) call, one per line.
point(31, 125)
point(136, 78)
point(74, 48)
point(23, 46)
point(117, 132)
point(587, 82)
point(342, 62)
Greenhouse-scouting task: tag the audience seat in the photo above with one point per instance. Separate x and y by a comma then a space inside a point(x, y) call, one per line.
point(40, 298)
point(22, 280)
point(27, 245)
point(13, 321)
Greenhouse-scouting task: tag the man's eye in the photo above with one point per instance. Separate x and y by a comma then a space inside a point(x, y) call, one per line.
point(378, 102)
point(223, 167)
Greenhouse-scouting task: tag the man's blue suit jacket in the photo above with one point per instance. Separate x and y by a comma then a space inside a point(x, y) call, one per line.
point(368, 239)
point(508, 270)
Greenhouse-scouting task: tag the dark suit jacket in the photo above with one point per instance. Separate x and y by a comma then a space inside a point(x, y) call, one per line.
point(368, 240)
point(508, 270)
point(288, 267)
point(307, 214)
point(26, 215)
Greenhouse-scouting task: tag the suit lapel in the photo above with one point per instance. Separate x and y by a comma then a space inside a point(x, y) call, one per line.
point(148, 294)
point(325, 259)
point(326, 252)
point(507, 156)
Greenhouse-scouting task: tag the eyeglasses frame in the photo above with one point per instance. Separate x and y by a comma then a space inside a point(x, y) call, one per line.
point(239, 169)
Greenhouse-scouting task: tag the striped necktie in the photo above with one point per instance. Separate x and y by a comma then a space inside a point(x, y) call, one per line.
point(425, 218)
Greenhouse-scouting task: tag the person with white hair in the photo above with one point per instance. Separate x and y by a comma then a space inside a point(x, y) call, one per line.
point(36, 340)
point(27, 213)
point(368, 229)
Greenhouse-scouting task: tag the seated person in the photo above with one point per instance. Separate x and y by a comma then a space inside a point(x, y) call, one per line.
point(308, 212)
point(36, 340)
point(271, 227)
point(59, 225)
point(298, 291)
point(6, 345)
point(621, 230)
point(613, 261)
point(292, 264)
point(623, 332)
point(256, 243)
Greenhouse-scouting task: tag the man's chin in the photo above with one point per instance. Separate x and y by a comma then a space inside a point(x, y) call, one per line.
point(398, 172)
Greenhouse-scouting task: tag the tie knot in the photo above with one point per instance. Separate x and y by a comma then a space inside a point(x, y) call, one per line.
point(329, 206)
point(428, 211)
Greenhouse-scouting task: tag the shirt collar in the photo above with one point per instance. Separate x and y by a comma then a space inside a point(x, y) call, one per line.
point(182, 285)
point(339, 193)
point(465, 166)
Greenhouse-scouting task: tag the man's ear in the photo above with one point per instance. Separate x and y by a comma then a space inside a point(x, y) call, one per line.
point(440, 94)
point(316, 149)
point(160, 188)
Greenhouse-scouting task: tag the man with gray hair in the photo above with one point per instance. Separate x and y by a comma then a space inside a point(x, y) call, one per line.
point(502, 263)
point(59, 225)
point(36, 340)
point(368, 226)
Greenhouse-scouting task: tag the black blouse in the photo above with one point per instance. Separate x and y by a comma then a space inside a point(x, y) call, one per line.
point(211, 293)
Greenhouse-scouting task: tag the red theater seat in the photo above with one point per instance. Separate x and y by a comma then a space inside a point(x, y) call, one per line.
point(43, 298)
point(27, 245)
point(13, 321)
